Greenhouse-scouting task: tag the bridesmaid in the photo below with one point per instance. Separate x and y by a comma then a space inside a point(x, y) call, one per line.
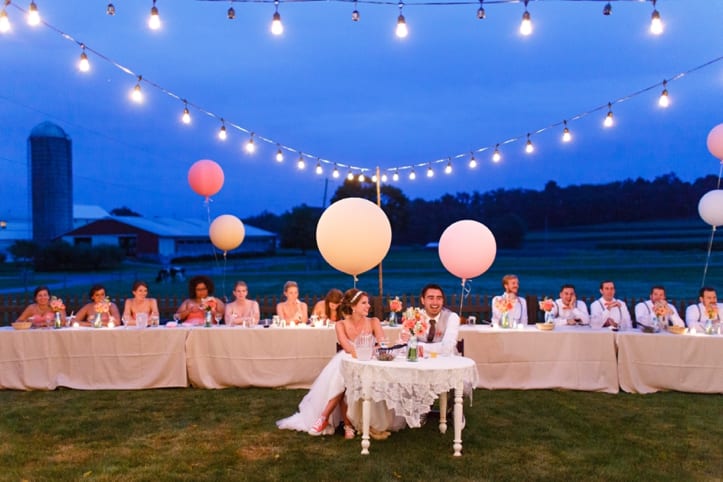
point(292, 310)
point(140, 303)
point(39, 313)
point(242, 308)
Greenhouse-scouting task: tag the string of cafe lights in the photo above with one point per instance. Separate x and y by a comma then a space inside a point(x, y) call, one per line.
point(353, 172)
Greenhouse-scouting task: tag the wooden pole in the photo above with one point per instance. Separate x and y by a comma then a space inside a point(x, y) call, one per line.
point(379, 203)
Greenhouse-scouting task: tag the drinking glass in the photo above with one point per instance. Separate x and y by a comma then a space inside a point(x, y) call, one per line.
point(155, 319)
point(124, 321)
point(177, 319)
point(218, 317)
point(141, 320)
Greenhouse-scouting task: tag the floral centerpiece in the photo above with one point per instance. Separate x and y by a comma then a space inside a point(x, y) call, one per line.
point(546, 305)
point(208, 306)
point(712, 313)
point(57, 305)
point(395, 307)
point(504, 305)
point(102, 307)
point(661, 311)
point(416, 325)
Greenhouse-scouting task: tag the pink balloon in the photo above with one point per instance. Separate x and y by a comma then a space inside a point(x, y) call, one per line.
point(205, 177)
point(715, 141)
point(467, 249)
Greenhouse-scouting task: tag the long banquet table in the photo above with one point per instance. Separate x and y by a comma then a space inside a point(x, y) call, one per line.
point(575, 358)
point(88, 358)
point(648, 363)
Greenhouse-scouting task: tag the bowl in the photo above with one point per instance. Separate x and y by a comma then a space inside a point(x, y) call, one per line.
point(646, 329)
point(22, 325)
point(676, 330)
point(545, 326)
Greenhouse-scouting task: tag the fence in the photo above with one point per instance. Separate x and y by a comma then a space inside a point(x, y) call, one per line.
point(11, 306)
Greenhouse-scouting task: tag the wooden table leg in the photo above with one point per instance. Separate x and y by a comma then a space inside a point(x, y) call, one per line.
point(366, 414)
point(458, 417)
point(443, 412)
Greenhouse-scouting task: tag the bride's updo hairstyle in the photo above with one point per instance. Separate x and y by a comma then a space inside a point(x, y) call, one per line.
point(350, 299)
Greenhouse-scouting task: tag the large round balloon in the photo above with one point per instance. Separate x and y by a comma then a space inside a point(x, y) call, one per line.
point(205, 177)
point(715, 141)
point(710, 207)
point(353, 235)
point(227, 232)
point(467, 249)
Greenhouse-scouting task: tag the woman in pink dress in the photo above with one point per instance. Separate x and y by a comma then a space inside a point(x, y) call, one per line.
point(200, 296)
point(140, 303)
point(100, 303)
point(242, 309)
point(39, 313)
point(292, 309)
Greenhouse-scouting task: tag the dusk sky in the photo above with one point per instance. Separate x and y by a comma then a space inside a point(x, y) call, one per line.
point(351, 93)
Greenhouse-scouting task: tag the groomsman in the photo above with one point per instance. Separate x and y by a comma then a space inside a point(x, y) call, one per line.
point(568, 310)
point(645, 311)
point(518, 313)
point(707, 308)
point(608, 311)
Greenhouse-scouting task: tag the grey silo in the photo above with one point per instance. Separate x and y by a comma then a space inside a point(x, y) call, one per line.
point(50, 163)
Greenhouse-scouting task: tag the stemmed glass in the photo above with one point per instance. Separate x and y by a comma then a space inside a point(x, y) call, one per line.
point(124, 320)
point(177, 319)
point(218, 317)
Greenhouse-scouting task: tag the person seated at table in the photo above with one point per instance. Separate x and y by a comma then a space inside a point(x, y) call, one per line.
point(607, 311)
point(707, 308)
point(140, 303)
point(568, 310)
point(328, 308)
point(324, 407)
point(99, 303)
point(443, 324)
point(657, 306)
point(292, 309)
point(200, 299)
point(242, 308)
point(518, 311)
point(40, 313)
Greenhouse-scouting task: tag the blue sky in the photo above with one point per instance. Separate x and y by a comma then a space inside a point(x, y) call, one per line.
point(352, 93)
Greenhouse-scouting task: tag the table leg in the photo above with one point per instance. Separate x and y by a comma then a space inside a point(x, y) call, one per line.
point(443, 412)
point(458, 417)
point(366, 412)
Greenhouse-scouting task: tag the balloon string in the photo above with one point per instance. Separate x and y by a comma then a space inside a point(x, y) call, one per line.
point(355, 280)
point(223, 279)
point(207, 203)
point(466, 288)
point(707, 258)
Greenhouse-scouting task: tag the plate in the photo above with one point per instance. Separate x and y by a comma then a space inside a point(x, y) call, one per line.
point(545, 326)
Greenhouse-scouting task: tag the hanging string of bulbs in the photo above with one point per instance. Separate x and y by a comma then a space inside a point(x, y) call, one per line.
point(353, 172)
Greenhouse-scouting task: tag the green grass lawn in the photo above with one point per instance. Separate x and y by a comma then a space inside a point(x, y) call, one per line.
point(189, 434)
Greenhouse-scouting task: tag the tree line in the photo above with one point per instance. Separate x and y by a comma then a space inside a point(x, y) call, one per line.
point(509, 213)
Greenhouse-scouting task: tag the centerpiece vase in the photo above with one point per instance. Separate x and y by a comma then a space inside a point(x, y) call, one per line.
point(412, 349)
point(549, 318)
point(393, 318)
point(57, 321)
point(505, 321)
point(708, 328)
point(208, 319)
point(98, 321)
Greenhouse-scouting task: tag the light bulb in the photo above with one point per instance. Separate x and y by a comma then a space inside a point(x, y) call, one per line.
point(361, 177)
point(607, 9)
point(412, 175)
point(300, 164)
point(4, 22)
point(222, 134)
point(481, 14)
point(33, 14)
point(154, 21)
point(384, 177)
point(231, 13)
point(186, 117)
point(448, 168)
point(319, 169)
point(250, 147)
point(402, 31)
point(110, 9)
point(83, 64)
point(277, 28)
point(374, 178)
point(529, 147)
point(355, 16)
point(472, 161)
point(395, 176)
point(526, 24)
point(279, 155)
point(664, 100)
point(609, 121)
point(335, 172)
point(496, 156)
point(350, 176)
point(566, 134)
point(430, 172)
point(137, 93)
point(656, 24)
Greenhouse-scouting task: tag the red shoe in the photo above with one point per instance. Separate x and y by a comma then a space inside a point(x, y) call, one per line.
point(319, 426)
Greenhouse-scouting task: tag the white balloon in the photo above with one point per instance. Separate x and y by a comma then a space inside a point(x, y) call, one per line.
point(715, 141)
point(227, 232)
point(710, 207)
point(353, 235)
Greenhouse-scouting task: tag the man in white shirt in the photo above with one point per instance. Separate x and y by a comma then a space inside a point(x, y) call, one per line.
point(441, 336)
point(607, 311)
point(707, 308)
point(657, 305)
point(568, 310)
point(518, 312)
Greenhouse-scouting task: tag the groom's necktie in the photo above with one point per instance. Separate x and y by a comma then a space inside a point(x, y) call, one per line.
point(432, 330)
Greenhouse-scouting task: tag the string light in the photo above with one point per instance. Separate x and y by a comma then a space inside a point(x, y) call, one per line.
point(395, 176)
point(402, 31)
point(222, 134)
point(412, 175)
point(384, 177)
point(5, 26)
point(301, 164)
point(448, 167)
point(607, 9)
point(472, 161)
point(526, 24)
point(361, 177)
point(83, 63)
point(529, 148)
point(186, 116)
point(250, 147)
point(664, 100)
point(430, 171)
point(319, 170)
point(335, 172)
point(566, 134)
point(231, 13)
point(481, 14)
point(277, 28)
point(350, 176)
point(496, 156)
point(110, 9)
point(137, 93)
point(279, 154)
point(154, 21)
point(656, 24)
point(33, 15)
point(374, 178)
point(609, 121)
point(355, 16)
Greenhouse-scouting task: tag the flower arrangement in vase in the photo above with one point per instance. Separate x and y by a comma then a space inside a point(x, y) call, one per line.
point(546, 305)
point(208, 305)
point(413, 322)
point(101, 308)
point(504, 305)
point(57, 305)
point(395, 307)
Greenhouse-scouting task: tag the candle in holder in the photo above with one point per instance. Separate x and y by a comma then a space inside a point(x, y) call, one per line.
point(76, 324)
point(111, 324)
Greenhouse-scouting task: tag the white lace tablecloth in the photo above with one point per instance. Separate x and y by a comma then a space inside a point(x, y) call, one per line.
point(409, 388)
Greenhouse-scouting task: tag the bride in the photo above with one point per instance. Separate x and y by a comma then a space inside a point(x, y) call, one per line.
point(324, 406)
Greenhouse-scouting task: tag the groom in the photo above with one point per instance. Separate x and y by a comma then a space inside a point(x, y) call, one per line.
point(441, 336)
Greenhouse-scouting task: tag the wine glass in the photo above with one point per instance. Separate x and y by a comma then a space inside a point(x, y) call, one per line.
point(155, 319)
point(124, 320)
point(177, 319)
point(218, 317)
